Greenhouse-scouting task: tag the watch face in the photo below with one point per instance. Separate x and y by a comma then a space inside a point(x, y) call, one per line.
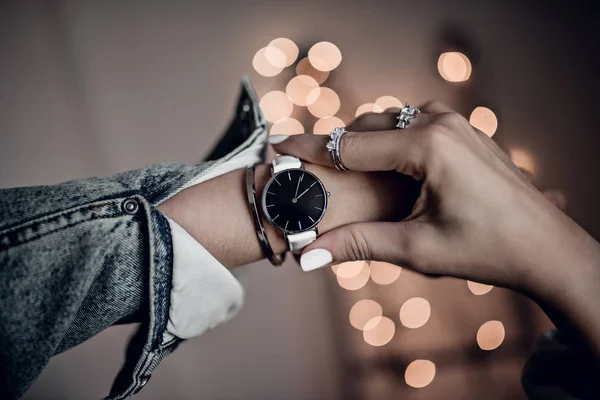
point(294, 200)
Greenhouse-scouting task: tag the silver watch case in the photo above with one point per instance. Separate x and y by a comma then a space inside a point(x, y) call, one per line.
point(297, 239)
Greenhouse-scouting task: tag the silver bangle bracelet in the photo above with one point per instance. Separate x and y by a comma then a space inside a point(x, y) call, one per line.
point(275, 259)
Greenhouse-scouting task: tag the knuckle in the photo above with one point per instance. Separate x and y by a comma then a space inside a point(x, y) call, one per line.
point(356, 246)
point(434, 105)
point(451, 121)
point(452, 118)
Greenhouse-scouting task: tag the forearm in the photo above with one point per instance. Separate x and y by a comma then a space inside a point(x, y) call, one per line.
point(216, 212)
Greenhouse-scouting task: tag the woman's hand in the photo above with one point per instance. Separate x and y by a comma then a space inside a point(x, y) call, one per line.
point(477, 217)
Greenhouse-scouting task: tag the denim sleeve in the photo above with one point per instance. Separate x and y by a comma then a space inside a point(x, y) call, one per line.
point(78, 257)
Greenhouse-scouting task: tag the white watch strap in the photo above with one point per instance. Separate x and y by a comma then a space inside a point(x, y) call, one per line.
point(281, 163)
point(298, 241)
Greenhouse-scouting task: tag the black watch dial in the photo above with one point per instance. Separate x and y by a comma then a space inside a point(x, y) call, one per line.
point(294, 200)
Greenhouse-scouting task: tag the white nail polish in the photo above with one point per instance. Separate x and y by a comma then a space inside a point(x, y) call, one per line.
point(276, 139)
point(314, 259)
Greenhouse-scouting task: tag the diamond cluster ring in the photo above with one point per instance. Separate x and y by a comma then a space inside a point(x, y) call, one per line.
point(333, 146)
point(407, 113)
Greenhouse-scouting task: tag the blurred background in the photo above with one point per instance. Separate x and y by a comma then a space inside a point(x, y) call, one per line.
point(95, 88)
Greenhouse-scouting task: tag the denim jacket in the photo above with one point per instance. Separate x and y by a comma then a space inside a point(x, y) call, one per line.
point(59, 287)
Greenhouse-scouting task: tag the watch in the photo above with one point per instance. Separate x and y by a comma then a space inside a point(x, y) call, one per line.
point(294, 201)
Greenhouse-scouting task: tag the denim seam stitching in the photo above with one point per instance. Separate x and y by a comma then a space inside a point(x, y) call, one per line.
point(25, 241)
point(56, 215)
point(102, 201)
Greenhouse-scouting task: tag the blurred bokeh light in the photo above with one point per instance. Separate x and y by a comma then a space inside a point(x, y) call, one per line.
point(490, 335)
point(287, 126)
point(378, 331)
point(276, 106)
point(275, 57)
point(325, 56)
point(299, 87)
point(415, 312)
point(325, 125)
point(485, 120)
point(479, 288)
point(419, 373)
point(304, 67)
point(357, 281)
point(384, 273)
point(287, 47)
point(264, 66)
point(323, 102)
point(364, 311)
point(454, 67)
point(348, 269)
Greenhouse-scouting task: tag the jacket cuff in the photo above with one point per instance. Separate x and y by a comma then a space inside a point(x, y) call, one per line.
point(173, 254)
point(147, 349)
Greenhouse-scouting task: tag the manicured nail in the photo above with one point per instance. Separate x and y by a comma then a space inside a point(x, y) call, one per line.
point(276, 139)
point(314, 259)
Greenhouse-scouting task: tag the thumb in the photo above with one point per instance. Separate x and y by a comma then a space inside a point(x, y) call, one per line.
point(381, 241)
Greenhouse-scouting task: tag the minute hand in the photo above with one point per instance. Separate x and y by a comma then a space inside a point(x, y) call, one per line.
point(302, 194)
point(297, 186)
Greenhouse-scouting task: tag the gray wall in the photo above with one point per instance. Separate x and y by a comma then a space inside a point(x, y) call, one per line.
point(96, 88)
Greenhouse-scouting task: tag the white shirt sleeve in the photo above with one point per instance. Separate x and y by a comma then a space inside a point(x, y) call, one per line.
point(204, 293)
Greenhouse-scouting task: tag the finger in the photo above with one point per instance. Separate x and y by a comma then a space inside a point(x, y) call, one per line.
point(397, 150)
point(384, 121)
point(374, 122)
point(381, 241)
point(308, 147)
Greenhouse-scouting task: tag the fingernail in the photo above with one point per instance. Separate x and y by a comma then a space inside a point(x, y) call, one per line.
point(276, 139)
point(314, 259)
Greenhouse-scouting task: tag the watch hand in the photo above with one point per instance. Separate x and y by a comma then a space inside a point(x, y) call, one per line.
point(297, 187)
point(302, 194)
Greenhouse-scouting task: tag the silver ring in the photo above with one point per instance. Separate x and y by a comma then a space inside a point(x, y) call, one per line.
point(333, 146)
point(407, 113)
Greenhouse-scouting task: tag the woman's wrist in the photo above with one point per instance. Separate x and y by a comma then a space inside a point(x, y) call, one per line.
point(561, 264)
point(554, 254)
point(216, 214)
point(571, 301)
